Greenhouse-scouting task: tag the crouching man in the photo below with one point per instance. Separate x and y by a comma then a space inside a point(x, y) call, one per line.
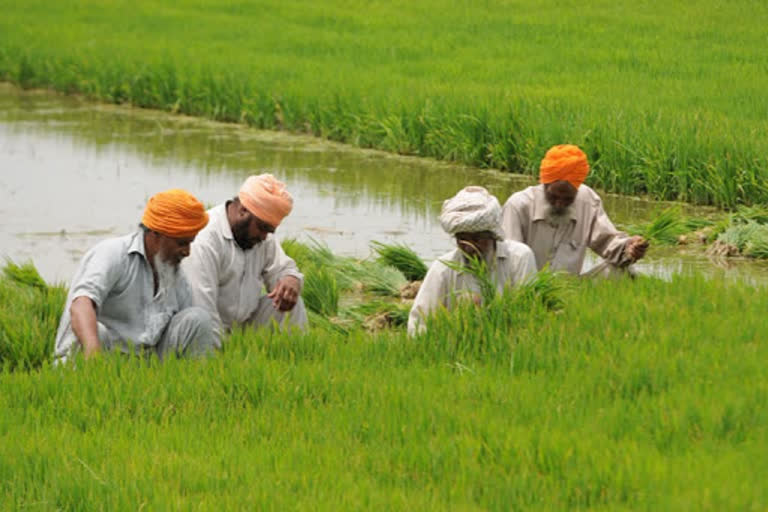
point(473, 217)
point(561, 217)
point(128, 294)
point(237, 255)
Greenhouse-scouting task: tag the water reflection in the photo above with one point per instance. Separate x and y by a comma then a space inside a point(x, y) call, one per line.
point(74, 172)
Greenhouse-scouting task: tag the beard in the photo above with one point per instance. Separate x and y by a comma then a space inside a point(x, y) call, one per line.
point(240, 234)
point(558, 216)
point(167, 273)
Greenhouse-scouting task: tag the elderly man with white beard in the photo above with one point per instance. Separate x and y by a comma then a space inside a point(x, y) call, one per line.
point(561, 217)
point(128, 294)
point(473, 217)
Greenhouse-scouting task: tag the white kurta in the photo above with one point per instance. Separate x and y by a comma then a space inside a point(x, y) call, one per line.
point(514, 264)
point(563, 246)
point(229, 282)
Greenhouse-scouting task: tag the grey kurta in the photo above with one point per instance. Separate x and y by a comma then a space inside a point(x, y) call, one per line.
point(117, 277)
point(563, 246)
point(514, 264)
point(228, 282)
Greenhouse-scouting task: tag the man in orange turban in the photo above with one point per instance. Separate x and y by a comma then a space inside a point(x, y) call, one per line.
point(237, 255)
point(559, 218)
point(128, 294)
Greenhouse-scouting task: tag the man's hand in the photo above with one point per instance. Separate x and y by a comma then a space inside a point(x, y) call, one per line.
point(636, 247)
point(286, 293)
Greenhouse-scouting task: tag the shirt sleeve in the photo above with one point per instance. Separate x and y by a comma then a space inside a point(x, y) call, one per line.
point(201, 269)
point(279, 265)
point(511, 221)
point(606, 240)
point(431, 295)
point(98, 273)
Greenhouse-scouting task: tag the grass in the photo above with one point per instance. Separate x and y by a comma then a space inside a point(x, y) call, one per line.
point(667, 100)
point(635, 394)
point(402, 258)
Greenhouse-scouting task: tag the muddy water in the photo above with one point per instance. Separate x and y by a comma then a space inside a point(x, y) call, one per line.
point(74, 172)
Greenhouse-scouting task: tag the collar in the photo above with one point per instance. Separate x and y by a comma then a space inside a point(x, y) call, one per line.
point(223, 226)
point(540, 205)
point(137, 243)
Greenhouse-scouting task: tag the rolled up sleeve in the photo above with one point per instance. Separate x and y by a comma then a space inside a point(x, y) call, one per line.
point(607, 241)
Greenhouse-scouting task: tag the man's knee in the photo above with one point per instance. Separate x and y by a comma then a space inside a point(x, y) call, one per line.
point(198, 325)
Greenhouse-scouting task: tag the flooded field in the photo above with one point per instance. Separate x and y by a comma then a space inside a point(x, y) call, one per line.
point(73, 172)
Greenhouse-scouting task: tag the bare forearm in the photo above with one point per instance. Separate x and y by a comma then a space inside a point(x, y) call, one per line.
point(84, 325)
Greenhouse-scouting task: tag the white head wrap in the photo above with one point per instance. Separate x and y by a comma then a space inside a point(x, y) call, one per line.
point(472, 210)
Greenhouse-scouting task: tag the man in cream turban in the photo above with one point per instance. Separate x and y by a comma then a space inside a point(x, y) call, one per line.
point(561, 217)
point(237, 255)
point(128, 294)
point(473, 217)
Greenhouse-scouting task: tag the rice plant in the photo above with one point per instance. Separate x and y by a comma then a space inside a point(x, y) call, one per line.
point(649, 127)
point(402, 258)
point(620, 400)
point(666, 228)
point(320, 292)
point(25, 274)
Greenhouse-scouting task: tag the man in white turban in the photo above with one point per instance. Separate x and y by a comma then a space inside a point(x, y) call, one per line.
point(473, 217)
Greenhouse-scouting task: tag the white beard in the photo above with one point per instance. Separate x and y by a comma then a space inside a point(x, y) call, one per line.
point(558, 219)
point(167, 274)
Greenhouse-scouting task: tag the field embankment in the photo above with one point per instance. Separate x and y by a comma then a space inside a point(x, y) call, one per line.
point(667, 99)
point(637, 394)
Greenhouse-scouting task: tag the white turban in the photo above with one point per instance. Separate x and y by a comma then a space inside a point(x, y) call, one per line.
point(472, 210)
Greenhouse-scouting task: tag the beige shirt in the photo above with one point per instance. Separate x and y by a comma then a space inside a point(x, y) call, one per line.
point(117, 277)
point(228, 281)
point(442, 285)
point(563, 246)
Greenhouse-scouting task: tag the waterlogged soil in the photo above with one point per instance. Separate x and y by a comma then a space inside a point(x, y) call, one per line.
point(73, 172)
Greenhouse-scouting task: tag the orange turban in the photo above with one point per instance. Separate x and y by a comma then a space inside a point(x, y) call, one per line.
point(564, 162)
point(266, 198)
point(175, 213)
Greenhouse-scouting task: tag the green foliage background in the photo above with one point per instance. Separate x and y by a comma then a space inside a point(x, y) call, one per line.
point(666, 98)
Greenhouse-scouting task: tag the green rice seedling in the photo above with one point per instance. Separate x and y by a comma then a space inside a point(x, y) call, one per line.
point(477, 268)
point(737, 235)
point(757, 245)
point(25, 274)
point(666, 228)
point(300, 252)
point(633, 112)
point(547, 288)
point(746, 214)
point(379, 314)
point(29, 317)
point(402, 258)
point(379, 279)
point(320, 292)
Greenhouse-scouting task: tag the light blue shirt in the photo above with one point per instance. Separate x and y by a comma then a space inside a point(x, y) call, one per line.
point(117, 277)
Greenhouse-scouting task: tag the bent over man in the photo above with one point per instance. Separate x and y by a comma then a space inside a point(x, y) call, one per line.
point(473, 217)
point(128, 294)
point(237, 255)
point(561, 217)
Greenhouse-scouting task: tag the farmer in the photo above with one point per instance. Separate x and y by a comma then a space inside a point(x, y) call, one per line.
point(561, 217)
point(237, 254)
point(473, 217)
point(128, 294)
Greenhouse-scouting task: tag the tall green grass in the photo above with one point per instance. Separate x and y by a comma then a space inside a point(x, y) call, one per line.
point(667, 100)
point(635, 394)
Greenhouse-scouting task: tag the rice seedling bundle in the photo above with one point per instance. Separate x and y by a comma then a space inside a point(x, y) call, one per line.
point(402, 258)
